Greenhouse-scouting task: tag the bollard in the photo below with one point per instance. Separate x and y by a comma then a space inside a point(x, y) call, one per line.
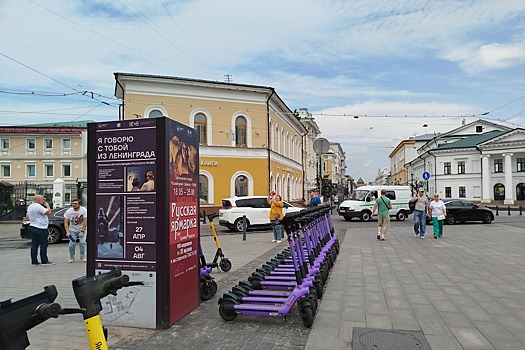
point(203, 216)
point(521, 210)
point(497, 213)
point(508, 209)
point(244, 227)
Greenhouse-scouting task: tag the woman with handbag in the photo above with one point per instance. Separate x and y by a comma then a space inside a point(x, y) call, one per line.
point(276, 215)
point(438, 211)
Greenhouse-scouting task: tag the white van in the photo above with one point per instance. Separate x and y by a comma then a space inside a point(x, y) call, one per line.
point(361, 206)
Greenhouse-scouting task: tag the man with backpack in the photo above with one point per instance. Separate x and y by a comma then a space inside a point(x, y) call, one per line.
point(383, 206)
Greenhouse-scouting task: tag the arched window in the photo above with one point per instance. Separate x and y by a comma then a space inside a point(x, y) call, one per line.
point(241, 186)
point(201, 125)
point(240, 132)
point(520, 191)
point(499, 192)
point(155, 114)
point(203, 189)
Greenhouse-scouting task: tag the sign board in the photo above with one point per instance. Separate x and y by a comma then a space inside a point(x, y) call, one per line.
point(143, 183)
point(426, 175)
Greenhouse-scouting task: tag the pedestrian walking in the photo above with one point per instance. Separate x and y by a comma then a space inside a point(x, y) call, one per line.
point(438, 211)
point(276, 215)
point(383, 206)
point(37, 214)
point(314, 199)
point(75, 223)
point(420, 201)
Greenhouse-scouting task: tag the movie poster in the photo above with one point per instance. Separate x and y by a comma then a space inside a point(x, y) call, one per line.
point(125, 203)
point(183, 154)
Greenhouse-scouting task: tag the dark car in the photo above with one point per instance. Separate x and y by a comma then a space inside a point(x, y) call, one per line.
point(56, 229)
point(460, 210)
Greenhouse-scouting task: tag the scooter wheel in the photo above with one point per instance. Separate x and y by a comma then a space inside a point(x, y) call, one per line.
point(208, 290)
point(307, 316)
point(226, 310)
point(319, 289)
point(225, 265)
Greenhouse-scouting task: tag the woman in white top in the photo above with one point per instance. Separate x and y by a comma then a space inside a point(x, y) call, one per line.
point(438, 211)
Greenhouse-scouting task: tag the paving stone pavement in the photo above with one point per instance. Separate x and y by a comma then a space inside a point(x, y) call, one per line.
point(465, 291)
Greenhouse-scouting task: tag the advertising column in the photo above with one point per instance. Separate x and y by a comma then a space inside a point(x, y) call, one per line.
point(125, 211)
point(143, 190)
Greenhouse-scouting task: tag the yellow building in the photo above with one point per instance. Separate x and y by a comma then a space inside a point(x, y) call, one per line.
point(251, 143)
point(33, 157)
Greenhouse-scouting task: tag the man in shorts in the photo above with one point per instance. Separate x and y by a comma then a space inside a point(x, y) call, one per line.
point(382, 205)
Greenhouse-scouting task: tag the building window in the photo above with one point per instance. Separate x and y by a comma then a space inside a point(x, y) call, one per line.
point(31, 144)
point(201, 125)
point(498, 165)
point(66, 170)
point(448, 192)
point(49, 170)
point(48, 143)
point(6, 171)
point(30, 170)
point(241, 186)
point(155, 114)
point(521, 164)
point(462, 192)
point(447, 169)
point(240, 132)
point(479, 128)
point(203, 189)
point(461, 167)
point(5, 144)
point(66, 143)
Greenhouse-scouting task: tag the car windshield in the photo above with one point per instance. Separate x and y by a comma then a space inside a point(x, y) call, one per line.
point(360, 195)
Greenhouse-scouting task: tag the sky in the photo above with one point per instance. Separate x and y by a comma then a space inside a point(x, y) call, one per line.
point(402, 67)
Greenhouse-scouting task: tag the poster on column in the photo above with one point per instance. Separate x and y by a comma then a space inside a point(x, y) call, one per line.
point(183, 157)
point(125, 203)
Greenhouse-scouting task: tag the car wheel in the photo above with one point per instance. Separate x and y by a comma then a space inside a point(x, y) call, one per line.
point(401, 216)
point(365, 216)
point(54, 235)
point(487, 218)
point(237, 225)
point(450, 219)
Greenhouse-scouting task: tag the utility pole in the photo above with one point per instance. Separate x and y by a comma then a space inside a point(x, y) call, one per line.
point(228, 78)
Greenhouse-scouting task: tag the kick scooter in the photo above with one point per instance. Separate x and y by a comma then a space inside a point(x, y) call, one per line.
point(16, 318)
point(230, 305)
point(224, 264)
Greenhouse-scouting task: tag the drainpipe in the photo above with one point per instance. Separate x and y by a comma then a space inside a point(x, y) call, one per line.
point(435, 170)
point(268, 136)
point(121, 109)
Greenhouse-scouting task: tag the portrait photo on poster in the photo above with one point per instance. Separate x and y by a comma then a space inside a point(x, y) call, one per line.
point(110, 226)
point(183, 152)
point(140, 178)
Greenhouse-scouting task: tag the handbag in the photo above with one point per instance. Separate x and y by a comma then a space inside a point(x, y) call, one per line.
point(441, 217)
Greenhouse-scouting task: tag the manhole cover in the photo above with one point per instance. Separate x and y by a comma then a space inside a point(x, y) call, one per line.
point(388, 339)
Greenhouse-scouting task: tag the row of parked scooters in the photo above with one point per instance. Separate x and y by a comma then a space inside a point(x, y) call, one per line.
point(297, 275)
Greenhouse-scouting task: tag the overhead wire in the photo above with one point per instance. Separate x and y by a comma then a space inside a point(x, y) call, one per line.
point(114, 41)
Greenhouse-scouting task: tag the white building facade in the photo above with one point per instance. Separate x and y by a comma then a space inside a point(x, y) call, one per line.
point(480, 161)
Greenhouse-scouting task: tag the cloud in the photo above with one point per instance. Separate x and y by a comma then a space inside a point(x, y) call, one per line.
point(476, 58)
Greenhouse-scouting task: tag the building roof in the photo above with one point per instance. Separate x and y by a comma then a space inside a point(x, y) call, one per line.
point(360, 181)
point(73, 124)
point(424, 137)
point(471, 141)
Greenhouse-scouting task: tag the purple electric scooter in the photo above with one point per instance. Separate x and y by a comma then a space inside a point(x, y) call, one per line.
point(230, 305)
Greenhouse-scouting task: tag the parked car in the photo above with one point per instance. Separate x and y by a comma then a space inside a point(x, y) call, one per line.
point(460, 210)
point(56, 229)
point(256, 209)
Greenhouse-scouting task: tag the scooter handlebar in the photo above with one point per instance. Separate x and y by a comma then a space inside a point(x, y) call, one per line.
point(48, 310)
point(115, 284)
